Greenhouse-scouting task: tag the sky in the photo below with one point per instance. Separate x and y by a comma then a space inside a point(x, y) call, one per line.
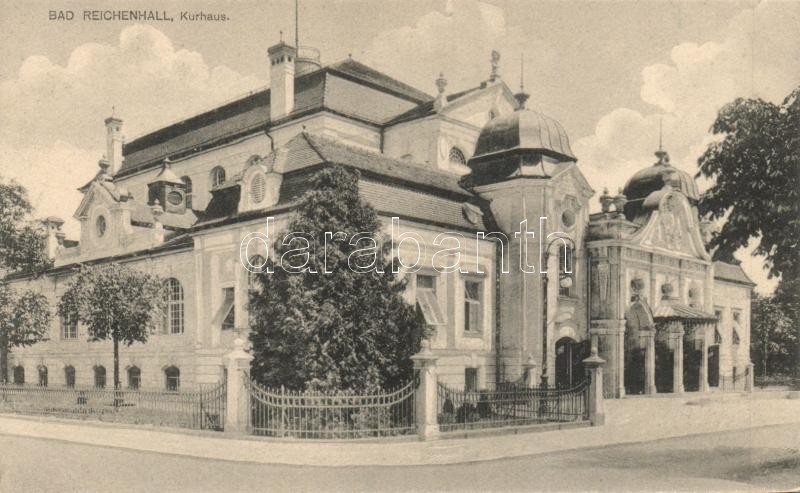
point(610, 72)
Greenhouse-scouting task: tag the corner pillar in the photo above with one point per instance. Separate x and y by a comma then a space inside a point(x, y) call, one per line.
point(594, 369)
point(237, 411)
point(425, 398)
point(748, 377)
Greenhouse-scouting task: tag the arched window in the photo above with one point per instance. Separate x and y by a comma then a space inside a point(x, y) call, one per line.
point(69, 376)
point(173, 314)
point(42, 376)
point(100, 377)
point(172, 378)
point(457, 157)
point(19, 375)
point(217, 176)
point(188, 184)
point(566, 270)
point(134, 377)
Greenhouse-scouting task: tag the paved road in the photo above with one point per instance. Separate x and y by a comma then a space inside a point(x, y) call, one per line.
point(766, 458)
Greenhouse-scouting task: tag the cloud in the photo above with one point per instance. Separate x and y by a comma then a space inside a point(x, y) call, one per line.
point(758, 57)
point(53, 136)
point(467, 31)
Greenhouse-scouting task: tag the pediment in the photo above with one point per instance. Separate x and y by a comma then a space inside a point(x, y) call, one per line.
point(95, 194)
point(672, 228)
point(477, 107)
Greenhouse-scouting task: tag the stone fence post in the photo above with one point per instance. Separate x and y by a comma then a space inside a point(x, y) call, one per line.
point(594, 369)
point(530, 372)
point(749, 377)
point(426, 394)
point(237, 362)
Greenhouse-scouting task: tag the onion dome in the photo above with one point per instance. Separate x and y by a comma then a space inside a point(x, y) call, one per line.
point(653, 178)
point(527, 130)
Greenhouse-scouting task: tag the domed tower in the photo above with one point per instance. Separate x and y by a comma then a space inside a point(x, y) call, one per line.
point(654, 178)
point(524, 167)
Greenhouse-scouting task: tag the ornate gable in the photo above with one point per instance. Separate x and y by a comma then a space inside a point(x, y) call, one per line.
point(672, 227)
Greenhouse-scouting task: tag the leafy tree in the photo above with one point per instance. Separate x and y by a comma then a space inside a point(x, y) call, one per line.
point(24, 316)
point(114, 302)
point(773, 339)
point(24, 321)
point(345, 328)
point(22, 242)
point(755, 169)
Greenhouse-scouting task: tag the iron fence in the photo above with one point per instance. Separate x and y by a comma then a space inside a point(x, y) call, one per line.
point(732, 383)
point(198, 409)
point(331, 415)
point(510, 405)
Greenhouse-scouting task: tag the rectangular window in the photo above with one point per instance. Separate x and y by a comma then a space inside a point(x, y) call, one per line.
point(426, 282)
point(69, 330)
point(427, 300)
point(470, 379)
point(228, 309)
point(472, 306)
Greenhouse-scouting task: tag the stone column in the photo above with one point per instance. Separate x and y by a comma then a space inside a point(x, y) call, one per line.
point(703, 364)
point(677, 360)
point(238, 396)
point(749, 377)
point(530, 372)
point(594, 369)
point(426, 396)
point(649, 361)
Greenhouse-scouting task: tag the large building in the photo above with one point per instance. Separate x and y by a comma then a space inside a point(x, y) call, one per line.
point(529, 297)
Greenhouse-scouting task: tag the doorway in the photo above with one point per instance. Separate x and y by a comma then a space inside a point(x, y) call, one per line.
point(569, 361)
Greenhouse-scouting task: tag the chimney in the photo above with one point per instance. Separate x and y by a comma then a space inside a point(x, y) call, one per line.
point(281, 80)
point(55, 237)
point(114, 141)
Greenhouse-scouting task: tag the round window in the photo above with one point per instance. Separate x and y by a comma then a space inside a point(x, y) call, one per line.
point(175, 197)
point(100, 226)
point(258, 189)
point(568, 218)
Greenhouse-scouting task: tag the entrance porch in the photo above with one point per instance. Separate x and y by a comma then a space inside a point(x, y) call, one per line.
point(667, 351)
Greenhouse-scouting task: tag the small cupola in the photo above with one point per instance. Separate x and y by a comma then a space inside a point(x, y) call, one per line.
point(167, 190)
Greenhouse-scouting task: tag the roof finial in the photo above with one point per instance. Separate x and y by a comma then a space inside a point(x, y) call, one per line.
point(495, 64)
point(521, 96)
point(113, 110)
point(660, 132)
point(661, 154)
point(281, 35)
point(296, 24)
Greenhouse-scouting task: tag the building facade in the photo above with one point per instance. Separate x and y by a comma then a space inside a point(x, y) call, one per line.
point(537, 281)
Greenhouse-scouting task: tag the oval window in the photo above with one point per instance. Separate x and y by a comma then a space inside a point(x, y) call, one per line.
point(568, 218)
point(175, 197)
point(258, 189)
point(100, 226)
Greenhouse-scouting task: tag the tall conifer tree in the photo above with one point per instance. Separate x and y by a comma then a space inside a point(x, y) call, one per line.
point(341, 322)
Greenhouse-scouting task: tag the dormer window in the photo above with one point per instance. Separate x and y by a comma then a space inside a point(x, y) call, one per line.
point(457, 157)
point(217, 176)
